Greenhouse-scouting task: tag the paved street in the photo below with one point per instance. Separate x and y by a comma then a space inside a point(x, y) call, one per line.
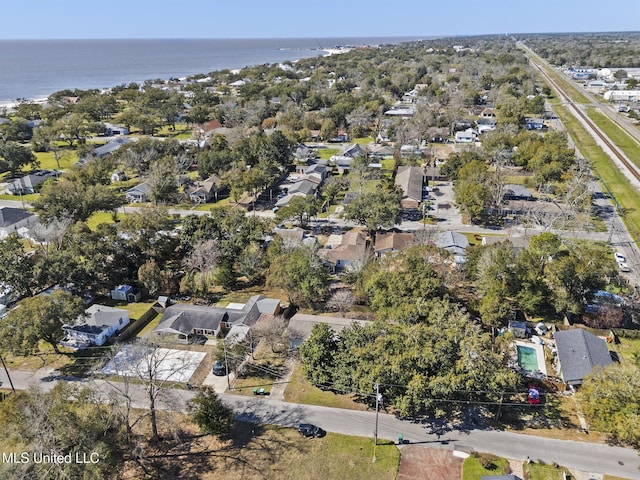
point(589, 457)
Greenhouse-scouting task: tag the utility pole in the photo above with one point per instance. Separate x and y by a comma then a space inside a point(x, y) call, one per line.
point(7, 372)
point(226, 362)
point(375, 432)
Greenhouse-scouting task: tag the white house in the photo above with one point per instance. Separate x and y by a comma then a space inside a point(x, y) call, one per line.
point(15, 220)
point(622, 96)
point(94, 328)
point(467, 136)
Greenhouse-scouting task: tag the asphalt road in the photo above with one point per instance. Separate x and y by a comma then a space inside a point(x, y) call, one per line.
point(589, 457)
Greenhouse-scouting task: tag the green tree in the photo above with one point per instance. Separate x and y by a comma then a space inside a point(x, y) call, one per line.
point(471, 190)
point(15, 156)
point(300, 208)
point(301, 274)
point(67, 420)
point(317, 354)
point(163, 181)
point(67, 199)
point(16, 269)
point(380, 208)
point(39, 318)
point(210, 413)
point(610, 399)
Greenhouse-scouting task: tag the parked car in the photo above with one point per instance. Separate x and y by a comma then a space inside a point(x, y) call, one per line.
point(309, 430)
point(619, 257)
point(624, 267)
point(218, 368)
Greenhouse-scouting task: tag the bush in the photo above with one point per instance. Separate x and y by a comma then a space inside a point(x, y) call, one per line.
point(487, 460)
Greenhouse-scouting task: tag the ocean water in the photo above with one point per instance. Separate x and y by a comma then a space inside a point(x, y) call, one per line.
point(37, 68)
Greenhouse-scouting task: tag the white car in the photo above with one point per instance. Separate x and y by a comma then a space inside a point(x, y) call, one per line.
point(624, 267)
point(619, 257)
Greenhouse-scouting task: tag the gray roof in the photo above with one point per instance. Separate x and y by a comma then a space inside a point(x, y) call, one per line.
point(10, 216)
point(111, 146)
point(303, 186)
point(410, 180)
point(579, 352)
point(182, 318)
point(517, 190)
point(453, 240)
point(141, 188)
point(316, 168)
point(302, 324)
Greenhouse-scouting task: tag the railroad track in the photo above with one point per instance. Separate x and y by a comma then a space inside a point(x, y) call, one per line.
point(630, 166)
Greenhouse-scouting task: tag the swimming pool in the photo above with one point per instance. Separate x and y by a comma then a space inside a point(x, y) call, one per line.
point(528, 358)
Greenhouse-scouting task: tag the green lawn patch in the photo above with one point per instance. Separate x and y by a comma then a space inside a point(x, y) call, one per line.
point(626, 195)
point(299, 390)
point(102, 217)
point(362, 140)
point(327, 153)
point(618, 136)
point(27, 198)
point(146, 331)
point(388, 164)
point(47, 160)
point(540, 471)
point(480, 464)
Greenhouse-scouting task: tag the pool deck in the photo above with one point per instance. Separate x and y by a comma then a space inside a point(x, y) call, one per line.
point(539, 354)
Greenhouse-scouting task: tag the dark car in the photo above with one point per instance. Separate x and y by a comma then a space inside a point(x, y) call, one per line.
point(218, 368)
point(309, 430)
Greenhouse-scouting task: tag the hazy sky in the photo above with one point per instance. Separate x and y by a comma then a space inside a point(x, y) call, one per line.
point(48, 19)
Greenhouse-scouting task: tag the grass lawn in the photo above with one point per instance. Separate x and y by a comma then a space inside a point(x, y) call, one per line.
point(300, 390)
point(362, 140)
point(48, 161)
point(327, 153)
point(472, 468)
point(539, 471)
point(262, 452)
point(144, 333)
point(628, 348)
point(46, 358)
point(388, 164)
point(101, 217)
point(626, 195)
point(618, 136)
point(27, 198)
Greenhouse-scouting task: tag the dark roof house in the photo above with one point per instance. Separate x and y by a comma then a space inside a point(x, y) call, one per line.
point(578, 353)
point(409, 179)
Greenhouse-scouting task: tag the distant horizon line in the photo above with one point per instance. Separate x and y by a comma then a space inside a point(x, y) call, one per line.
point(417, 36)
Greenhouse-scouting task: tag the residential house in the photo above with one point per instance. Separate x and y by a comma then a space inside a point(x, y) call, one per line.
point(380, 151)
point(467, 136)
point(518, 243)
point(409, 179)
point(139, 193)
point(534, 124)
point(110, 147)
point(306, 187)
point(391, 242)
point(15, 220)
point(301, 325)
point(353, 151)
point(284, 201)
point(184, 322)
point(318, 169)
point(579, 352)
point(115, 130)
point(352, 249)
point(401, 110)
point(28, 183)
point(453, 242)
point(486, 124)
point(205, 131)
point(95, 327)
point(522, 208)
point(203, 191)
point(126, 293)
point(517, 192)
point(343, 164)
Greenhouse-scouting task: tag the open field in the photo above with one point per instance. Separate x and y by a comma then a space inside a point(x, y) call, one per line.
point(47, 160)
point(617, 135)
point(265, 452)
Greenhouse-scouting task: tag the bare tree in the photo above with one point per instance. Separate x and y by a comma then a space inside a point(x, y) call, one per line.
point(155, 370)
point(275, 333)
point(341, 301)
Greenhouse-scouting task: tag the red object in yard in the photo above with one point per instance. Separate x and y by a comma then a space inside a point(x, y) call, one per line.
point(534, 395)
